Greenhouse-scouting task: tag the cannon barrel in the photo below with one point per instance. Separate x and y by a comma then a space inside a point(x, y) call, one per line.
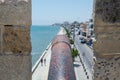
point(61, 64)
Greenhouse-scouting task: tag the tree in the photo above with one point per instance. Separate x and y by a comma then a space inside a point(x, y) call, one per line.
point(74, 53)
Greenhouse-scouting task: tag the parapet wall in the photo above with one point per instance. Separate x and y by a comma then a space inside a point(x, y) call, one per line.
point(15, 12)
point(15, 47)
point(107, 33)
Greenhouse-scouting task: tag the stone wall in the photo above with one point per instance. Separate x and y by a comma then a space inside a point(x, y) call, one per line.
point(15, 12)
point(107, 26)
point(15, 47)
point(107, 68)
point(107, 33)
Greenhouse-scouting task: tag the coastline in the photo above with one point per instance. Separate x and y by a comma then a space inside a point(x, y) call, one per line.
point(60, 32)
point(43, 54)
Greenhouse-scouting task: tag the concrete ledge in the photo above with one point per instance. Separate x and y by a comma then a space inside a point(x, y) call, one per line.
point(107, 55)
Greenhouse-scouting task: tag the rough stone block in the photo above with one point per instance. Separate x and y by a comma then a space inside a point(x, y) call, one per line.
point(107, 68)
point(106, 47)
point(16, 40)
point(14, 67)
point(108, 39)
point(107, 26)
point(107, 11)
point(107, 33)
point(15, 12)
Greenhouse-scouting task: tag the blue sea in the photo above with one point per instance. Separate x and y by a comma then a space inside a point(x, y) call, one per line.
point(41, 36)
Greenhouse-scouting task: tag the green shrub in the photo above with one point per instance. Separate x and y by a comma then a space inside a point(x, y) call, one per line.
point(71, 41)
point(74, 53)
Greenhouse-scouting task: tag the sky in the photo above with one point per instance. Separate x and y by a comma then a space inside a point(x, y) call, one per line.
point(47, 12)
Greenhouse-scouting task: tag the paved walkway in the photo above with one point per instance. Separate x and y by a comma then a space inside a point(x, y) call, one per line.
point(80, 72)
point(41, 72)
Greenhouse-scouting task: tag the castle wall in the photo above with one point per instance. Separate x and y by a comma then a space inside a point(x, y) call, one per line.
point(107, 33)
point(15, 47)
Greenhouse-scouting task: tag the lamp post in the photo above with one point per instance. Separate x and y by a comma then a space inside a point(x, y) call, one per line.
point(74, 32)
point(74, 35)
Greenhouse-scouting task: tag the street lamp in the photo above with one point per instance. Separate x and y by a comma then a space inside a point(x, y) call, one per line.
point(73, 33)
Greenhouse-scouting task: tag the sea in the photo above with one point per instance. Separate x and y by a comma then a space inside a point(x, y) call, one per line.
point(41, 36)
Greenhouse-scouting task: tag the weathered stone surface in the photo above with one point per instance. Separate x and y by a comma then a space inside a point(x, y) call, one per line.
point(15, 67)
point(107, 68)
point(15, 48)
point(108, 39)
point(0, 41)
point(16, 40)
point(107, 33)
point(107, 26)
point(107, 11)
point(15, 12)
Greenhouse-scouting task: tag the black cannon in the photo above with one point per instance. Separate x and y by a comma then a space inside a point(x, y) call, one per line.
point(61, 65)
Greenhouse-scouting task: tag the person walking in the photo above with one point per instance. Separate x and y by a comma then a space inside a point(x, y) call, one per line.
point(41, 61)
point(45, 61)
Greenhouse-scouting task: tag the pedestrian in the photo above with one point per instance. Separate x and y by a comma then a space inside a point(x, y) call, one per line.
point(41, 61)
point(45, 61)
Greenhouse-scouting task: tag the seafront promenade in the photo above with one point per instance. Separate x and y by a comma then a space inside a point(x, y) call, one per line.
point(39, 71)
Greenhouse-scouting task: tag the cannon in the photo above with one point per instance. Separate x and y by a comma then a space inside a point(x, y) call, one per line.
point(61, 64)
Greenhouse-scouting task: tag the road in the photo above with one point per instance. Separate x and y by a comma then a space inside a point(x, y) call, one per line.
point(85, 54)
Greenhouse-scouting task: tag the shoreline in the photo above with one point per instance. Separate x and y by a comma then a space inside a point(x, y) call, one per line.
point(60, 32)
point(43, 54)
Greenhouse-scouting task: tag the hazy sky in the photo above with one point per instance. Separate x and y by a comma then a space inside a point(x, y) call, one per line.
point(45, 12)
